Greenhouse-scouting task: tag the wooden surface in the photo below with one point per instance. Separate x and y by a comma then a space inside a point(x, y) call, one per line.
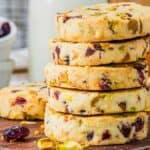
point(143, 2)
point(30, 142)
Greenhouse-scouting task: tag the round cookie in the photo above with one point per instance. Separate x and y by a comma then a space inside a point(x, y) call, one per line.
point(96, 130)
point(23, 102)
point(104, 78)
point(94, 103)
point(104, 22)
point(90, 54)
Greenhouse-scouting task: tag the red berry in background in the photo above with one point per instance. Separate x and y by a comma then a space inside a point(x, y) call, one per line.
point(5, 29)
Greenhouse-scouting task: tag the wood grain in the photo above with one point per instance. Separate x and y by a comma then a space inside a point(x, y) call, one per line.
point(30, 142)
point(143, 2)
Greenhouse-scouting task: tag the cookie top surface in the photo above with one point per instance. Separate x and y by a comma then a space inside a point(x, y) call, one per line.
point(104, 22)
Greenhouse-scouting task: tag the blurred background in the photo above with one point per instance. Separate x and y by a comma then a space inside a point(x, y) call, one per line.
point(28, 51)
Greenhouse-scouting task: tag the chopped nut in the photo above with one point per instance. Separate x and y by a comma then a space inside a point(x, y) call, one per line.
point(27, 122)
point(45, 143)
point(36, 132)
point(42, 126)
point(70, 145)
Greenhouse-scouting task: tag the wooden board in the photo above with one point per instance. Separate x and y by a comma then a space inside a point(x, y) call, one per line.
point(143, 2)
point(30, 142)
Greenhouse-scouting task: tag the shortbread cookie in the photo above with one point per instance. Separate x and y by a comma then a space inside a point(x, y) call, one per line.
point(104, 22)
point(102, 78)
point(94, 103)
point(90, 54)
point(23, 102)
point(96, 130)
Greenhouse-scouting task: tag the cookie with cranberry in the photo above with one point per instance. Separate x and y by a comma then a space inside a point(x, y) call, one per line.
point(100, 53)
point(102, 78)
point(95, 103)
point(104, 22)
point(23, 102)
point(96, 130)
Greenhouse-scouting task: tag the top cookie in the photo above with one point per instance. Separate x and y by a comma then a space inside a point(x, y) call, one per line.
point(104, 22)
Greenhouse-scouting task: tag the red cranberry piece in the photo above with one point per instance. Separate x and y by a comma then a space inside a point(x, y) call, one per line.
point(139, 124)
point(106, 135)
point(125, 129)
point(141, 76)
point(122, 105)
point(140, 68)
point(6, 28)
point(89, 52)
point(20, 100)
point(57, 50)
point(105, 84)
point(90, 136)
point(15, 133)
point(97, 46)
point(56, 95)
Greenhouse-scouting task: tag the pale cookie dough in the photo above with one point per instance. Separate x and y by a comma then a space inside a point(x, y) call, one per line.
point(23, 102)
point(104, 22)
point(103, 78)
point(94, 103)
point(96, 130)
point(90, 54)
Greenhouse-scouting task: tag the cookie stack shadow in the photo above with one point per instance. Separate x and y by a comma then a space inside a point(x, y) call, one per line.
point(97, 78)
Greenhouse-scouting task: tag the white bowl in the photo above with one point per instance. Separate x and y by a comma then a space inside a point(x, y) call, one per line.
point(7, 41)
point(6, 68)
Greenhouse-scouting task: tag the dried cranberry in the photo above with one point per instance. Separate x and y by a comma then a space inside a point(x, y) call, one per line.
point(122, 105)
point(97, 46)
point(5, 29)
point(139, 124)
point(20, 100)
point(139, 66)
point(15, 133)
point(89, 52)
point(142, 77)
point(57, 50)
point(106, 135)
point(90, 136)
point(125, 129)
point(105, 83)
point(56, 95)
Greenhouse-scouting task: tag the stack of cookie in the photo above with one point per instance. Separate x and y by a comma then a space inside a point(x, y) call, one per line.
point(96, 82)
